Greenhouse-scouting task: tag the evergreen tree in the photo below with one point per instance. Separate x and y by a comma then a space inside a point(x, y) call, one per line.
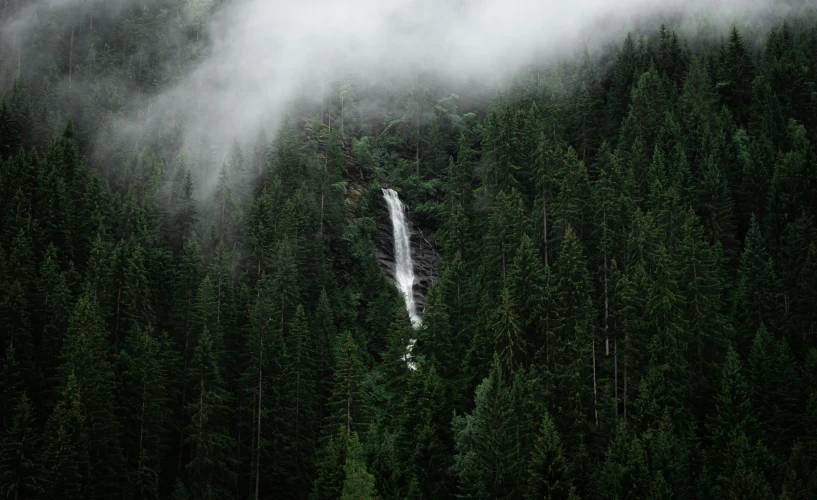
point(487, 461)
point(736, 74)
point(505, 229)
point(625, 472)
point(66, 447)
point(756, 297)
point(774, 383)
point(211, 464)
point(301, 378)
point(85, 363)
point(323, 326)
point(57, 302)
point(547, 475)
point(425, 420)
point(509, 342)
point(347, 404)
point(527, 293)
point(575, 344)
point(358, 484)
point(144, 364)
point(22, 473)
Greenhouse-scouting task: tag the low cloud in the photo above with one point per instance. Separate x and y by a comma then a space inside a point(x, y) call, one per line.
point(263, 54)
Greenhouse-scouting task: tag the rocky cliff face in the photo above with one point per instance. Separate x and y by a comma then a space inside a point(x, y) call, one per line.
point(424, 253)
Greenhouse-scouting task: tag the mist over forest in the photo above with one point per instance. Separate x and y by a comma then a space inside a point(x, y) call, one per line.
point(408, 249)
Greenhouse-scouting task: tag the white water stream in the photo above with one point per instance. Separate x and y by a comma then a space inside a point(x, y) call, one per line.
point(403, 264)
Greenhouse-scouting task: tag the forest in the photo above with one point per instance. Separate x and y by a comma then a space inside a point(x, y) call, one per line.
point(625, 305)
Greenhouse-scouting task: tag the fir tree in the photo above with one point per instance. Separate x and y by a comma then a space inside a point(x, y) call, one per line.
point(487, 458)
point(547, 474)
point(66, 446)
point(86, 364)
point(358, 484)
point(23, 476)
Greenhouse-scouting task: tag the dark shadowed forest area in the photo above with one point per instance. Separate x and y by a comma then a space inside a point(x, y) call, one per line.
point(624, 307)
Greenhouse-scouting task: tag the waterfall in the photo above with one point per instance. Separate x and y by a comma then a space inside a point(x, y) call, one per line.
point(403, 265)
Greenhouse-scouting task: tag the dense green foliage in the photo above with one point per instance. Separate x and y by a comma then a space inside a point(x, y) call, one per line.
point(627, 304)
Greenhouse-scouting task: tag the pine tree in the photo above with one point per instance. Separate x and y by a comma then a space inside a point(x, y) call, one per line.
point(505, 229)
point(804, 315)
point(211, 466)
point(625, 69)
point(756, 298)
point(347, 404)
point(575, 345)
point(183, 206)
point(425, 416)
point(702, 281)
point(647, 106)
point(21, 471)
point(572, 205)
point(144, 364)
point(625, 472)
point(456, 293)
point(54, 205)
point(323, 325)
point(487, 458)
point(732, 427)
point(330, 476)
point(65, 446)
point(774, 381)
point(697, 106)
point(670, 458)
point(547, 474)
point(527, 293)
point(11, 384)
point(265, 357)
point(85, 361)
point(736, 74)
point(57, 300)
point(301, 377)
point(790, 183)
point(754, 173)
point(434, 342)
point(714, 202)
point(664, 317)
point(358, 484)
point(508, 336)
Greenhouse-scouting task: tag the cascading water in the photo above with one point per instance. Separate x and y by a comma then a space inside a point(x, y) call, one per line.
point(403, 265)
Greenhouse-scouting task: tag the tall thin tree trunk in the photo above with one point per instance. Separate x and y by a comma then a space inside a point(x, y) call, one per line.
point(417, 149)
point(218, 302)
point(348, 416)
point(595, 386)
point(116, 325)
point(545, 223)
point(142, 420)
point(615, 374)
point(606, 308)
point(258, 431)
point(201, 422)
point(71, 58)
point(184, 375)
point(626, 349)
